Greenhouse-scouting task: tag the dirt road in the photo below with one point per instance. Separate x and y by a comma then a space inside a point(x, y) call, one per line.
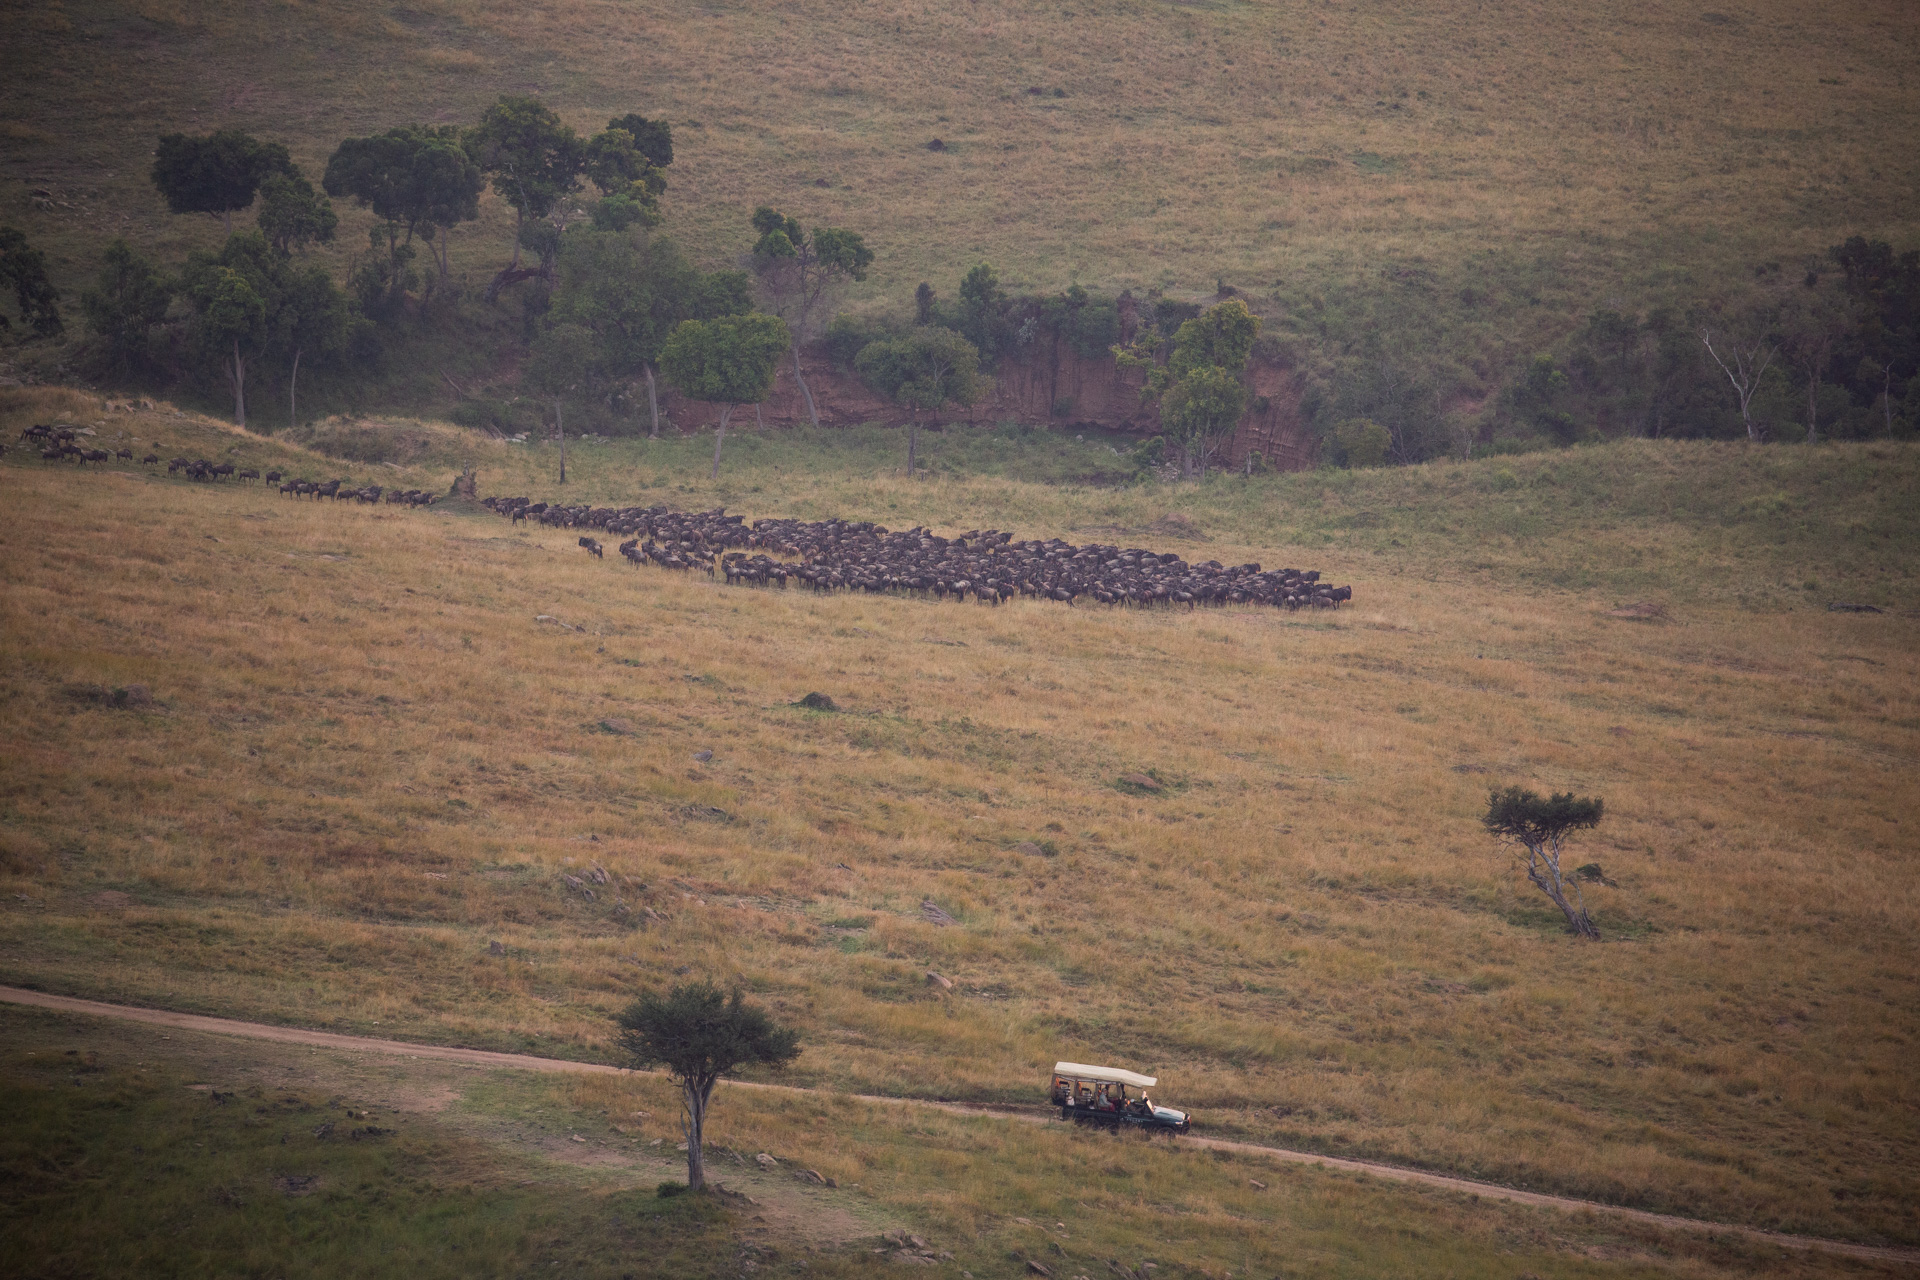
point(527, 1062)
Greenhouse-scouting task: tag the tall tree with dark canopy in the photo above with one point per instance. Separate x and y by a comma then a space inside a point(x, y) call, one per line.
point(629, 185)
point(798, 270)
point(727, 361)
point(1199, 388)
point(1540, 828)
point(218, 174)
point(230, 324)
point(699, 1034)
point(24, 268)
point(416, 178)
point(313, 319)
point(534, 157)
point(923, 370)
point(293, 215)
point(629, 292)
point(128, 300)
point(651, 138)
point(560, 363)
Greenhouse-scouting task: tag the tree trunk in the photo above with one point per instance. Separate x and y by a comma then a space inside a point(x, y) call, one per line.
point(237, 375)
point(293, 392)
point(1543, 868)
point(913, 441)
point(695, 1126)
point(653, 405)
point(813, 414)
point(759, 420)
point(560, 430)
point(720, 438)
point(1813, 407)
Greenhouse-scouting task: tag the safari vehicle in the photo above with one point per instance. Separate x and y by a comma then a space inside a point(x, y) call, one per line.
point(1098, 1095)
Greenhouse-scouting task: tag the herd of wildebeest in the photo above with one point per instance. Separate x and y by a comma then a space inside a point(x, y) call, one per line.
point(830, 555)
point(59, 444)
point(858, 555)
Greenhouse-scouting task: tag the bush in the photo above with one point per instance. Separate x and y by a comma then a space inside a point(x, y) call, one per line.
point(1361, 442)
point(847, 336)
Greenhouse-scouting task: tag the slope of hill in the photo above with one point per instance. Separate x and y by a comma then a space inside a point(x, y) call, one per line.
point(383, 739)
point(1465, 180)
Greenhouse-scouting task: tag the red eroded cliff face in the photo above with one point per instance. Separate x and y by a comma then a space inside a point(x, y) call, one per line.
point(1062, 389)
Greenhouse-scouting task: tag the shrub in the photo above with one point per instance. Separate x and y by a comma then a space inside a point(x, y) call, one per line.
point(1361, 442)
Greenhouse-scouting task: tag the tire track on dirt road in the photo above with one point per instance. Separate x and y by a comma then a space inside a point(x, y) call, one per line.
point(528, 1062)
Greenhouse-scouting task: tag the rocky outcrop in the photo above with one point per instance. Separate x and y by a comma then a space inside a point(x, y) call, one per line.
point(1060, 389)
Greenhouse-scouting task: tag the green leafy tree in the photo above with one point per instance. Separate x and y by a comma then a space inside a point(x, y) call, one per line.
point(535, 159)
point(230, 324)
point(651, 138)
point(799, 271)
point(293, 215)
point(699, 1034)
point(416, 179)
point(1199, 389)
point(313, 319)
point(630, 293)
point(923, 370)
point(218, 174)
point(728, 361)
point(982, 313)
point(129, 298)
point(559, 365)
point(1540, 828)
point(1815, 318)
point(24, 268)
point(1199, 412)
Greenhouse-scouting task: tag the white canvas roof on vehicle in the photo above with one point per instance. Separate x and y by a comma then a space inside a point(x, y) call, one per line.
point(1105, 1075)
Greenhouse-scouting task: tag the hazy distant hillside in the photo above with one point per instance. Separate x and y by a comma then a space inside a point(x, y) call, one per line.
point(1465, 180)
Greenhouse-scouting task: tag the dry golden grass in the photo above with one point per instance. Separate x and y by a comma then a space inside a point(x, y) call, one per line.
point(370, 759)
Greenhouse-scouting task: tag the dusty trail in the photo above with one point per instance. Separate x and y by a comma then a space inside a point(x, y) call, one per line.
point(527, 1062)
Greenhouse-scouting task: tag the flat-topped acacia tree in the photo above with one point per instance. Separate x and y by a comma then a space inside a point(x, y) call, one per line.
point(1540, 827)
point(728, 361)
point(699, 1034)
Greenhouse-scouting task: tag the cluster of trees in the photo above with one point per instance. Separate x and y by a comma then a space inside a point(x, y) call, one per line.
point(220, 317)
point(1828, 349)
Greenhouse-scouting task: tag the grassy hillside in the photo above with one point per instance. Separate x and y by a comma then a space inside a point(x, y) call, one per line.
point(381, 738)
point(210, 1158)
point(1471, 176)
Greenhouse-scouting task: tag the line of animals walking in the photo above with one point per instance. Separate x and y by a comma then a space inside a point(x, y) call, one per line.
point(60, 444)
point(989, 566)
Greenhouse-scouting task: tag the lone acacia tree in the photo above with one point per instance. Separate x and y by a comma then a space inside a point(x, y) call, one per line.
point(700, 1034)
point(923, 370)
point(1539, 827)
point(728, 361)
point(797, 269)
